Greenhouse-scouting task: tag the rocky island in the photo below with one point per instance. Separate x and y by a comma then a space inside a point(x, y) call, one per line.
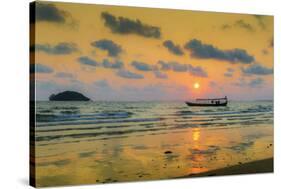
point(68, 96)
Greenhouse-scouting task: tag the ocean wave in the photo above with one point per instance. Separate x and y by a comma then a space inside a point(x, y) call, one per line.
point(243, 113)
point(72, 116)
point(65, 108)
point(101, 121)
point(69, 112)
point(219, 124)
point(82, 135)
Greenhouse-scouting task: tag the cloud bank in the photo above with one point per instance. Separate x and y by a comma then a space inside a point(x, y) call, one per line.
point(197, 71)
point(114, 65)
point(128, 74)
point(244, 25)
point(142, 66)
point(87, 61)
point(239, 24)
point(112, 48)
point(260, 20)
point(207, 51)
point(40, 68)
point(122, 25)
point(254, 83)
point(49, 13)
point(257, 69)
point(173, 48)
point(178, 67)
point(58, 49)
point(64, 75)
point(172, 65)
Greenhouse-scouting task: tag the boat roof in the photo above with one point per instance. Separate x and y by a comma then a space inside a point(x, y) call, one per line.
point(225, 98)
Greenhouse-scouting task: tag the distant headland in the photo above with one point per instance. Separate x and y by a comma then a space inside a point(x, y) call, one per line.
point(68, 96)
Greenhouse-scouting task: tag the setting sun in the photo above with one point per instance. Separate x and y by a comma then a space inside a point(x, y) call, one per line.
point(196, 85)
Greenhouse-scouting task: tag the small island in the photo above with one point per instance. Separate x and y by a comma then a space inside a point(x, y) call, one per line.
point(68, 96)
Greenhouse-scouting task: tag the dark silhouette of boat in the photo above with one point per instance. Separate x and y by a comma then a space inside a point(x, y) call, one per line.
point(209, 102)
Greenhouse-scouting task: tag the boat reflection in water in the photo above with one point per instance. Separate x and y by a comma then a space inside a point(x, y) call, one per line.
point(209, 102)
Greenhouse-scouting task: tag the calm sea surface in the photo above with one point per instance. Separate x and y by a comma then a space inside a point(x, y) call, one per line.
point(95, 142)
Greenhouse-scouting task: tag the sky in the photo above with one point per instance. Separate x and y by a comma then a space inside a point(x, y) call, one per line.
point(114, 53)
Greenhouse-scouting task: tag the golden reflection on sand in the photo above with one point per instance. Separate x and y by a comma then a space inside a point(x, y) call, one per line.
point(167, 155)
point(197, 158)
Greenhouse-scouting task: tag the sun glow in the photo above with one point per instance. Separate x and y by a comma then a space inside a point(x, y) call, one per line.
point(196, 85)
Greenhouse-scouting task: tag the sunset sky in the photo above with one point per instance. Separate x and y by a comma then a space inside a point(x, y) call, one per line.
point(135, 54)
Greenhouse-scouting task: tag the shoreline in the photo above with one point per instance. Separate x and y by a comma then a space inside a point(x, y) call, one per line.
point(259, 166)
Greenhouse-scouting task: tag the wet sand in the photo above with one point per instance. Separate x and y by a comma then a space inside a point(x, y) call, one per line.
point(260, 166)
point(186, 153)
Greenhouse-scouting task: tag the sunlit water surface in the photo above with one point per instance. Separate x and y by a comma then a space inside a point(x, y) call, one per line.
point(97, 142)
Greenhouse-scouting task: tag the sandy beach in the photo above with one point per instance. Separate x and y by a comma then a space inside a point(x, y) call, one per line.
point(260, 166)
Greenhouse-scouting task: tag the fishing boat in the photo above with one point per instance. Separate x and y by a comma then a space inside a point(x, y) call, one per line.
point(208, 102)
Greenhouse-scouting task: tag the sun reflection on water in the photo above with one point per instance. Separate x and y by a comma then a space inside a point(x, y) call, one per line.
point(196, 158)
point(196, 134)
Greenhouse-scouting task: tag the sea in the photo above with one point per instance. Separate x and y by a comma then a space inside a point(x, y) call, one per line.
point(100, 142)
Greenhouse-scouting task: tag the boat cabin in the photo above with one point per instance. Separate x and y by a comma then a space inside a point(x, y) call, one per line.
point(209, 102)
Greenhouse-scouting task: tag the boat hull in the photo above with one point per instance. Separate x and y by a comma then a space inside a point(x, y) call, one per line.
point(202, 104)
